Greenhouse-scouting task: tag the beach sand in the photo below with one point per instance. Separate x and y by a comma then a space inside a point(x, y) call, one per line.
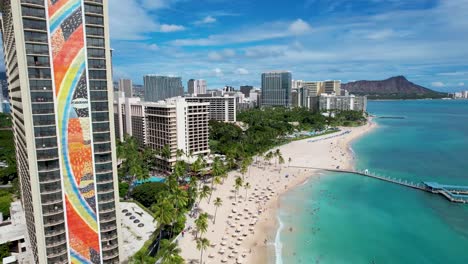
point(257, 224)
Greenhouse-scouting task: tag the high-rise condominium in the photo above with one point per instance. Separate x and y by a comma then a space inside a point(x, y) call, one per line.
point(57, 58)
point(276, 89)
point(332, 87)
point(126, 87)
point(158, 88)
point(196, 87)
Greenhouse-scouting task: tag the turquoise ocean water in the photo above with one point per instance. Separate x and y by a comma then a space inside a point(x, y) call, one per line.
point(352, 219)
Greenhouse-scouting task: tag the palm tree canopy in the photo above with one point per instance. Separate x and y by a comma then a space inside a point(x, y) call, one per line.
point(202, 243)
point(163, 212)
point(218, 202)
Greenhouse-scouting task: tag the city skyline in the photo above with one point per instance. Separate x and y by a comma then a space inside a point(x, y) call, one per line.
point(316, 40)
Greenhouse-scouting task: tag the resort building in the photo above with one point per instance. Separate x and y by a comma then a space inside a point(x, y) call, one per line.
point(342, 103)
point(196, 87)
point(276, 89)
point(158, 88)
point(221, 108)
point(176, 123)
point(332, 87)
point(126, 86)
point(58, 63)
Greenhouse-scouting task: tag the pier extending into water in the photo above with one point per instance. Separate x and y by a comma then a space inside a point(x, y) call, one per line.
point(454, 193)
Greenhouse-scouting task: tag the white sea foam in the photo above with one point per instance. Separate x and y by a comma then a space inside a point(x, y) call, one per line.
point(278, 244)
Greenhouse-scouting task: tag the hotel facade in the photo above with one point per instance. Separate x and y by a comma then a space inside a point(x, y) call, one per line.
point(176, 123)
point(58, 63)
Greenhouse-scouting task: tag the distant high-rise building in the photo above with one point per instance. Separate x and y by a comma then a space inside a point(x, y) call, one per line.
point(245, 89)
point(158, 88)
point(126, 86)
point(276, 89)
point(196, 87)
point(296, 84)
point(57, 58)
point(332, 87)
point(228, 89)
point(221, 108)
point(342, 103)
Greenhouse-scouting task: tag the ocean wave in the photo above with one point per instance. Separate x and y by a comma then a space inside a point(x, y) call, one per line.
point(278, 244)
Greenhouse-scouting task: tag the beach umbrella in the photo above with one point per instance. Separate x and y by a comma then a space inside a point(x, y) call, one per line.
point(224, 260)
point(224, 238)
point(235, 251)
point(251, 229)
point(230, 215)
point(240, 239)
point(214, 244)
point(221, 251)
point(237, 218)
point(234, 210)
point(231, 246)
point(231, 256)
point(211, 255)
point(246, 209)
point(238, 243)
point(234, 235)
point(223, 243)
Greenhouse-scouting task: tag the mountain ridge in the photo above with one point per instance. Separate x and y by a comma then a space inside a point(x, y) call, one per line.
point(397, 87)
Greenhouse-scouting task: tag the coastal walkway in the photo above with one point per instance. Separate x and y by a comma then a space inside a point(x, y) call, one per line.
point(454, 193)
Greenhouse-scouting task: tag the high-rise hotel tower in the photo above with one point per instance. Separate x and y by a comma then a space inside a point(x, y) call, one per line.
point(57, 58)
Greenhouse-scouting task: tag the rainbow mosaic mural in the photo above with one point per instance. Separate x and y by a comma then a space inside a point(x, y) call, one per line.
point(67, 37)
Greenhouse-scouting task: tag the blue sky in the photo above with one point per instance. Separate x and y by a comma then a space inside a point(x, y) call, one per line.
point(232, 42)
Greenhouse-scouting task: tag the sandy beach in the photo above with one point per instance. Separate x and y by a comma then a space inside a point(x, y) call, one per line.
point(244, 230)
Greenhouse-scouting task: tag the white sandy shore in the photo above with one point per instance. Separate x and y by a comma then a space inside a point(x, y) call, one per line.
point(268, 183)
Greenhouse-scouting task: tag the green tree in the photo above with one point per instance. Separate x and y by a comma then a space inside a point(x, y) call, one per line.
point(205, 192)
point(147, 193)
point(141, 258)
point(166, 152)
point(237, 185)
point(202, 244)
point(123, 189)
point(170, 253)
point(201, 223)
point(217, 203)
point(163, 213)
point(180, 153)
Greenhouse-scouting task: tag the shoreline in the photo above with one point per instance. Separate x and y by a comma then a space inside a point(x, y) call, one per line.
point(269, 253)
point(256, 209)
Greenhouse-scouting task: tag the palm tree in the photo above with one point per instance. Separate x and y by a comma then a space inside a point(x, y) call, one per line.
point(202, 244)
point(170, 253)
point(289, 162)
point(201, 223)
point(179, 153)
point(204, 193)
point(163, 212)
point(247, 186)
point(217, 203)
point(244, 167)
point(237, 185)
point(269, 156)
point(277, 154)
point(141, 258)
point(196, 166)
point(215, 180)
point(280, 160)
point(166, 152)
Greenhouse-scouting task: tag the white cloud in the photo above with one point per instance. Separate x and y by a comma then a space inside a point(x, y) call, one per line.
point(221, 55)
point(241, 71)
point(299, 27)
point(268, 31)
point(157, 4)
point(218, 72)
point(206, 20)
point(130, 29)
point(153, 47)
point(170, 28)
point(438, 84)
point(461, 84)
